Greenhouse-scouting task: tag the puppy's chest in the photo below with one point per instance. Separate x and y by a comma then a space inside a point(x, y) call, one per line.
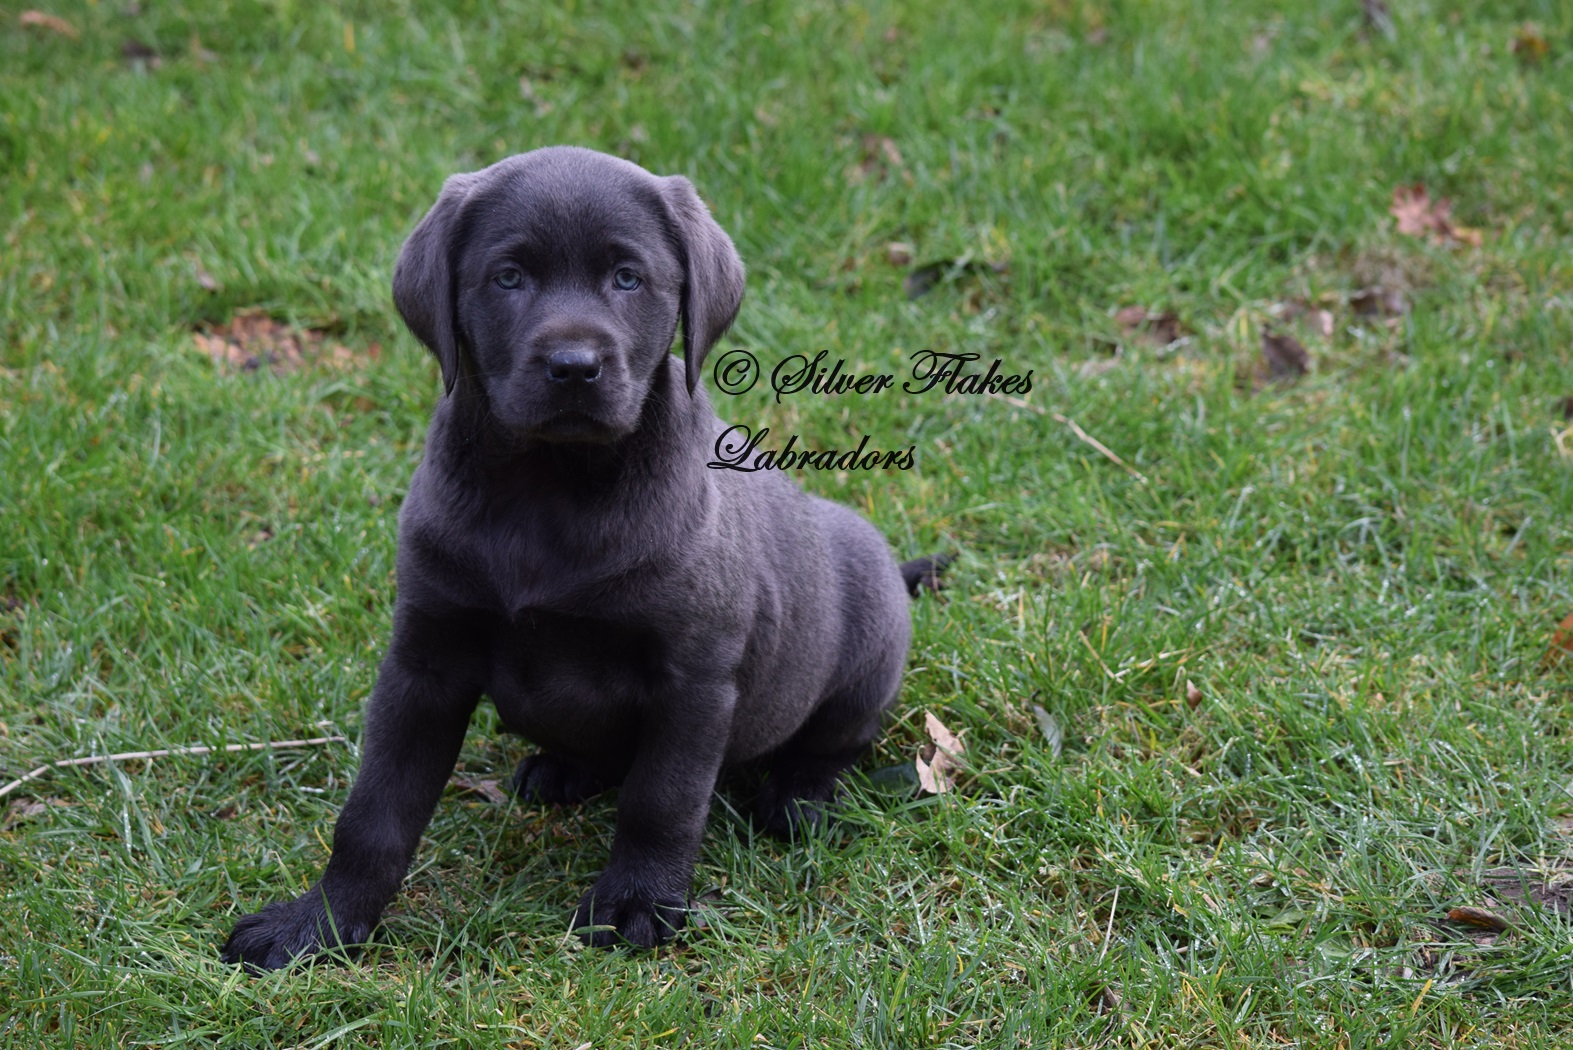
point(554, 676)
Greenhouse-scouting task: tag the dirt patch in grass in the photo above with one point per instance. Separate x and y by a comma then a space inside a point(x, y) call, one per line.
point(251, 340)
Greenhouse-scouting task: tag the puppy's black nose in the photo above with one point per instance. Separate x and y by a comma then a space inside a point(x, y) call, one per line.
point(573, 366)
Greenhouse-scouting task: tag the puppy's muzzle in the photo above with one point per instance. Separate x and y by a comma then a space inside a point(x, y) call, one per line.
point(572, 367)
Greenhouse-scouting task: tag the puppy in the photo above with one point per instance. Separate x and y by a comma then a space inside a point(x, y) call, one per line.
point(564, 551)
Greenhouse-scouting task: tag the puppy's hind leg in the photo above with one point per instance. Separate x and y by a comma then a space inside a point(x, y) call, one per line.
point(556, 780)
point(804, 772)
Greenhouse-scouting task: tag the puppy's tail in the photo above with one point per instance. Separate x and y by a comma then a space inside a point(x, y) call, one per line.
point(922, 574)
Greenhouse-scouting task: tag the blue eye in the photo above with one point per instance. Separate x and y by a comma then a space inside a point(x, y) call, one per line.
point(510, 278)
point(625, 280)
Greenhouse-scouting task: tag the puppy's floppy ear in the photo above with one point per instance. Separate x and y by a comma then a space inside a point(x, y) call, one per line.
point(423, 277)
point(712, 275)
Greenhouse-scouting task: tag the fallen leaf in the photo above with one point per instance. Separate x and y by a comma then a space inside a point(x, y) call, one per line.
point(251, 340)
point(1050, 728)
point(1285, 357)
point(28, 809)
point(898, 253)
point(1377, 301)
point(1378, 18)
point(1470, 235)
point(137, 53)
point(1561, 642)
point(1160, 329)
point(1528, 44)
point(487, 788)
point(24, 809)
point(198, 53)
point(924, 279)
point(898, 779)
point(1193, 695)
point(878, 156)
point(934, 772)
point(1106, 1000)
point(1417, 213)
point(1420, 216)
point(1486, 920)
point(53, 23)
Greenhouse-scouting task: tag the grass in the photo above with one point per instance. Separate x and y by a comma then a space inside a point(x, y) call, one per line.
point(1358, 573)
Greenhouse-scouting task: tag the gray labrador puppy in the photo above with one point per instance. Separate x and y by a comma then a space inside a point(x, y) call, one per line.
point(564, 551)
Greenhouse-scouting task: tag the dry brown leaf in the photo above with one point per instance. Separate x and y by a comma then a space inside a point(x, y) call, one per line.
point(934, 773)
point(1106, 1000)
point(53, 23)
point(137, 53)
point(1419, 215)
point(24, 809)
point(1378, 18)
point(898, 253)
point(488, 788)
point(1377, 301)
point(1136, 323)
point(1285, 357)
point(1486, 920)
point(1529, 45)
point(924, 279)
point(1193, 695)
point(252, 340)
point(878, 156)
point(1050, 727)
point(1561, 642)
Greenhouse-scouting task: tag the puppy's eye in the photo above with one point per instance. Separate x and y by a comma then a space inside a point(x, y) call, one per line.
point(625, 280)
point(510, 278)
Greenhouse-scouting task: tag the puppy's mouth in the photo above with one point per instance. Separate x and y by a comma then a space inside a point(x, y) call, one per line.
point(571, 427)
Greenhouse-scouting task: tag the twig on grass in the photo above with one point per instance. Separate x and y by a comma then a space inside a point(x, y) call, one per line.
point(197, 749)
point(1078, 431)
point(1109, 930)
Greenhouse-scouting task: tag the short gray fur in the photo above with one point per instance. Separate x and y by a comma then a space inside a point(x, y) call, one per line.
point(564, 551)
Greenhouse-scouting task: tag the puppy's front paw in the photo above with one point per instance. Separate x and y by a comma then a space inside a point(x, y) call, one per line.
point(555, 780)
point(635, 919)
point(284, 931)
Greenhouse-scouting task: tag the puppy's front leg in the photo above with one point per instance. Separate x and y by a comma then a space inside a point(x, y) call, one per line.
point(415, 724)
point(661, 814)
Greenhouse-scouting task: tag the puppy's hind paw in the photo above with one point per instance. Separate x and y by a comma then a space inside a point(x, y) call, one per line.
point(555, 780)
point(789, 805)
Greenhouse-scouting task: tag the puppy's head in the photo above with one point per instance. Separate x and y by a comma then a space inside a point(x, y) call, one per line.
point(554, 281)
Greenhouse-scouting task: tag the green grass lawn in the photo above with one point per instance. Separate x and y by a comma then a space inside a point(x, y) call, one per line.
point(1295, 653)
